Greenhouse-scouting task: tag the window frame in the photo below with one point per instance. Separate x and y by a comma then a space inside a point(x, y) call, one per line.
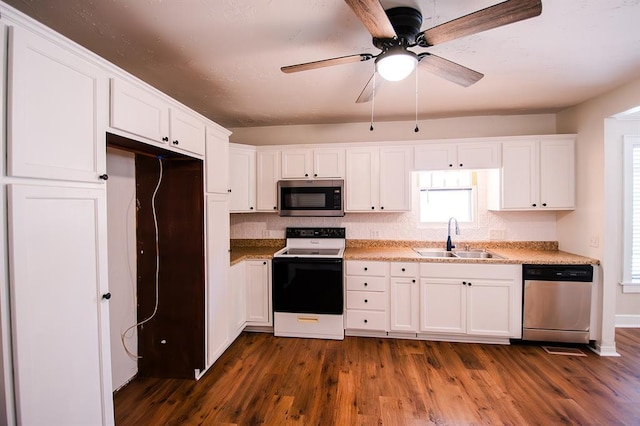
point(630, 285)
point(474, 200)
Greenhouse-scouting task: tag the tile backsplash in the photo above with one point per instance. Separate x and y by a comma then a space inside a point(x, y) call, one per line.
point(513, 226)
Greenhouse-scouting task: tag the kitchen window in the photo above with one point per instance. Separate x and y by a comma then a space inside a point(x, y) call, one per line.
point(444, 194)
point(631, 226)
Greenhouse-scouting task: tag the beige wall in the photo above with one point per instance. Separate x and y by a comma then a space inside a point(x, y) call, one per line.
point(442, 128)
point(121, 224)
point(598, 200)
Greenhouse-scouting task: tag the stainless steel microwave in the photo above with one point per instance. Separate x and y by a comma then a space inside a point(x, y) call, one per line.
point(311, 197)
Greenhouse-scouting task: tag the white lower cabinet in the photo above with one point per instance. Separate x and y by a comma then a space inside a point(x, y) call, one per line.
point(237, 301)
point(59, 305)
point(471, 299)
point(258, 291)
point(218, 289)
point(367, 295)
point(404, 297)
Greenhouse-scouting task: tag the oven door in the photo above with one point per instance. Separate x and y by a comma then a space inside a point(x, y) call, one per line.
point(307, 285)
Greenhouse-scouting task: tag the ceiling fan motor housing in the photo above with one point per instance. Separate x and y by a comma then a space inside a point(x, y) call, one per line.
point(406, 21)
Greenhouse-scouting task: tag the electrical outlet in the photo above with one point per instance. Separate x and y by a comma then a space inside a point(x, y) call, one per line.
point(265, 233)
point(374, 234)
point(496, 234)
point(594, 241)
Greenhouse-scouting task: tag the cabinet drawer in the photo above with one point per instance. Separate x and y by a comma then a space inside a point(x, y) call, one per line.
point(361, 267)
point(399, 269)
point(367, 320)
point(367, 283)
point(371, 300)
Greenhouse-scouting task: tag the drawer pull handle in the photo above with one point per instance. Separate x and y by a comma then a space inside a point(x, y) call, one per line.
point(402, 269)
point(365, 268)
point(366, 321)
point(365, 284)
point(308, 319)
point(366, 301)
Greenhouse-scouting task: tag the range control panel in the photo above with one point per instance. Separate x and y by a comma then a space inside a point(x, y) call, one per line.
point(315, 233)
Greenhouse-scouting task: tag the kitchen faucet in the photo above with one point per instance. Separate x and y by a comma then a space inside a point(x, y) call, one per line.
point(449, 245)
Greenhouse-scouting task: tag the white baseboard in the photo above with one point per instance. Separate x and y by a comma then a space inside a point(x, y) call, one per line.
point(628, 321)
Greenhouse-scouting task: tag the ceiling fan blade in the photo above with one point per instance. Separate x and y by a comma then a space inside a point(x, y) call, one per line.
point(448, 70)
point(326, 63)
point(367, 93)
point(373, 16)
point(485, 19)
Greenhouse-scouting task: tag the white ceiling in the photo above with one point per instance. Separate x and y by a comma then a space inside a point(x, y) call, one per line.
point(223, 57)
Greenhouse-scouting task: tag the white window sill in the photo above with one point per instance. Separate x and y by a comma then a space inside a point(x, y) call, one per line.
point(630, 286)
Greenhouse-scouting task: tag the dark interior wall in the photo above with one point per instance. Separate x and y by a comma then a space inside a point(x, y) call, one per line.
point(172, 343)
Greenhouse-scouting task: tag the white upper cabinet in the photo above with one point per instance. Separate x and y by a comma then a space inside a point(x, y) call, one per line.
point(187, 131)
point(217, 160)
point(56, 111)
point(143, 113)
point(267, 175)
point(322, 163)
point(464, 155)
point(395, 178)
point(362, 190)
point(378, 179)
point(242, 178)
point(535, 175)
point(139, 112)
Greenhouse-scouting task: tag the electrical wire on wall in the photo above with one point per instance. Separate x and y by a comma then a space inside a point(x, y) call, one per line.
point(157, 275)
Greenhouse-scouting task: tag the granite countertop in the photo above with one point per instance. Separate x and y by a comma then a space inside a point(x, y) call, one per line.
point(530, 252)
point(511, 256)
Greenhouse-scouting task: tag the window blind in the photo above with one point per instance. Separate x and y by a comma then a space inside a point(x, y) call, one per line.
point(635, 213)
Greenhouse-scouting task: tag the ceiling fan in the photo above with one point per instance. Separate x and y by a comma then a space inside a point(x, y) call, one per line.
point(396, 30)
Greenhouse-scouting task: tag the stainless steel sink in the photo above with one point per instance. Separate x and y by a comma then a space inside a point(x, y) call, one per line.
point(476, 254)
point(460, 254)
point(433, 252)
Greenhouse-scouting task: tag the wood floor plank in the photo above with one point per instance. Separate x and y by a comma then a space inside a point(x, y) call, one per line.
point(262, 379)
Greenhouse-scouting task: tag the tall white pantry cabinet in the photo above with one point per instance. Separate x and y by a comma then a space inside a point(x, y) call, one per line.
point(55, 365)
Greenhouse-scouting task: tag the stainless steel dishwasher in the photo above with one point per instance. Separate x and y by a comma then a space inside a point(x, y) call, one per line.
point(557, 303)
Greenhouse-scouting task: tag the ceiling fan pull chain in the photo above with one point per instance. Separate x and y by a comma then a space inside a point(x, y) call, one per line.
point(373, 97)
point(416, 129)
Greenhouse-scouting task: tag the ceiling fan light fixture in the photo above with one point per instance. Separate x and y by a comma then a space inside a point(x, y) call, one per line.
point(396, 64)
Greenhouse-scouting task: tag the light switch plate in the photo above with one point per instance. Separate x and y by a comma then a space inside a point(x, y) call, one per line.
point(496, 234)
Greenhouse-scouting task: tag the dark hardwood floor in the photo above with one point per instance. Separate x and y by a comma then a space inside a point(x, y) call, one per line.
point(262, 379)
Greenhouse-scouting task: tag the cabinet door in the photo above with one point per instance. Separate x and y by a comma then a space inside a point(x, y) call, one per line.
point(479, 155)
point(138, 111)
point(435, 157)
point(237, 301)
point(404, 304)
point(217, 161)
point(296, 163)
point(442, 306)
point(267, 175)
point(258, 290)
point(395, 178)
point(557, 174)
point(489, 308)
point(242, 180)
point(187, 131)
point(218, 297)
point(519, 180)
point(328, 163)
point(57, 111)
point(362, 177)
point(58, 261)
